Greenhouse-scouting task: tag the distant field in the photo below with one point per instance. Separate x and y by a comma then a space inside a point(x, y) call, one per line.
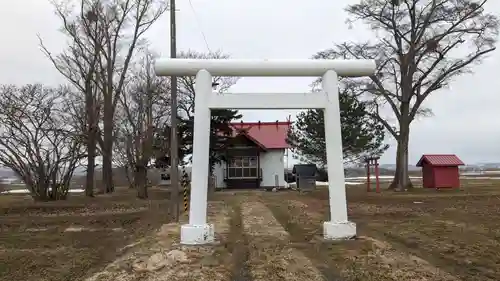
point(467, 179)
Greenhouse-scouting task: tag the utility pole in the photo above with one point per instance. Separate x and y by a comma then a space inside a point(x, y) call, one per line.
point(174, 145)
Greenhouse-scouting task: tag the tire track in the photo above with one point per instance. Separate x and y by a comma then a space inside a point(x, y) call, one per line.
point(272, 256)
point(301, 240)
point(238, 244)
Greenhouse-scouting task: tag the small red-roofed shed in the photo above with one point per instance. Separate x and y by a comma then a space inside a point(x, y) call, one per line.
point(440, 170)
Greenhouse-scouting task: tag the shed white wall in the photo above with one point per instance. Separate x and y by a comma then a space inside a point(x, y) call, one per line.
point(219, 174)
point(272, 163)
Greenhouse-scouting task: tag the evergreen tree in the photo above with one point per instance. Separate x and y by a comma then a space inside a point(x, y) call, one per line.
point(220, 133)
point(361, 135)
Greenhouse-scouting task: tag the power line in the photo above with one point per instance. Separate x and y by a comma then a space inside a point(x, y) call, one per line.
point(199, 25)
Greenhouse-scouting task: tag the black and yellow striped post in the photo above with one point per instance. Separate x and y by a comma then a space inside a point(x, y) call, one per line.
point(185, 184)
point(186, 198)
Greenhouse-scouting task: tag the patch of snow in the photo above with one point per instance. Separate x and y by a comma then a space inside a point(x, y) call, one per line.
point(354, 183)
point(16, 191)
point(325, 183)
point(36, 229)
point(380, 177)
point(80, 229)
point(415, 177)
point(481, 178)
point(74, 229)
point(25, 191)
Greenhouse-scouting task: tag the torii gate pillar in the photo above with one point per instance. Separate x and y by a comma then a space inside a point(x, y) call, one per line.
point(198, 231)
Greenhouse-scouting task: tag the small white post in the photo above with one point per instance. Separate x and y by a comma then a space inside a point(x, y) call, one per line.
point(198, 231)
point(338, 227)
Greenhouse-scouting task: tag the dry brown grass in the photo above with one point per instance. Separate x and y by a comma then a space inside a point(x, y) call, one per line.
point(35, 243)
point(418, 235)
point(447, 235)
point(271, 255)
point(110, 237)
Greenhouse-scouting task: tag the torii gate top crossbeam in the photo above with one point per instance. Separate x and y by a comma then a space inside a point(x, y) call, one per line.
point(261, 67)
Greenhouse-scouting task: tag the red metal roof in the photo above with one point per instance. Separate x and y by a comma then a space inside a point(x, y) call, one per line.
point(269, 135)
point(440, 160)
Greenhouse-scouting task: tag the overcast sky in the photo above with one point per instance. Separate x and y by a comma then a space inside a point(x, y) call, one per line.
point(467, 116)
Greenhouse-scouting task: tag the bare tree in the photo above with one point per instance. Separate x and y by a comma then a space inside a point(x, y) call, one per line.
point(144, 105)
point(422, 46)
point(35, 141)
point(80, 64)
point(186, 83)
point(120, 24)
point(83, 114)
point(220, 119)
point(126, 18)
point(186, 92)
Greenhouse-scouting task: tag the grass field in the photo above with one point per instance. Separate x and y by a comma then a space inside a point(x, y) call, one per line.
point(67, 240)
point(419, 235)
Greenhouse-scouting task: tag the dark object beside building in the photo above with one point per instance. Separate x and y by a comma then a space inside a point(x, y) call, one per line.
point(289, 176)
point(306, 176)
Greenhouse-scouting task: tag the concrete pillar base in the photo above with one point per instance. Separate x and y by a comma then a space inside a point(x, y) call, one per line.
point(339, 230)
point(197, 234)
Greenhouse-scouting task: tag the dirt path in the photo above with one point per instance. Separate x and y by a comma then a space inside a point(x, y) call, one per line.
point(271, 257)
point(238, 246)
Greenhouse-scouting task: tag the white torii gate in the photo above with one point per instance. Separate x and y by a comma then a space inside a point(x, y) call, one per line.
point(198, 231)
